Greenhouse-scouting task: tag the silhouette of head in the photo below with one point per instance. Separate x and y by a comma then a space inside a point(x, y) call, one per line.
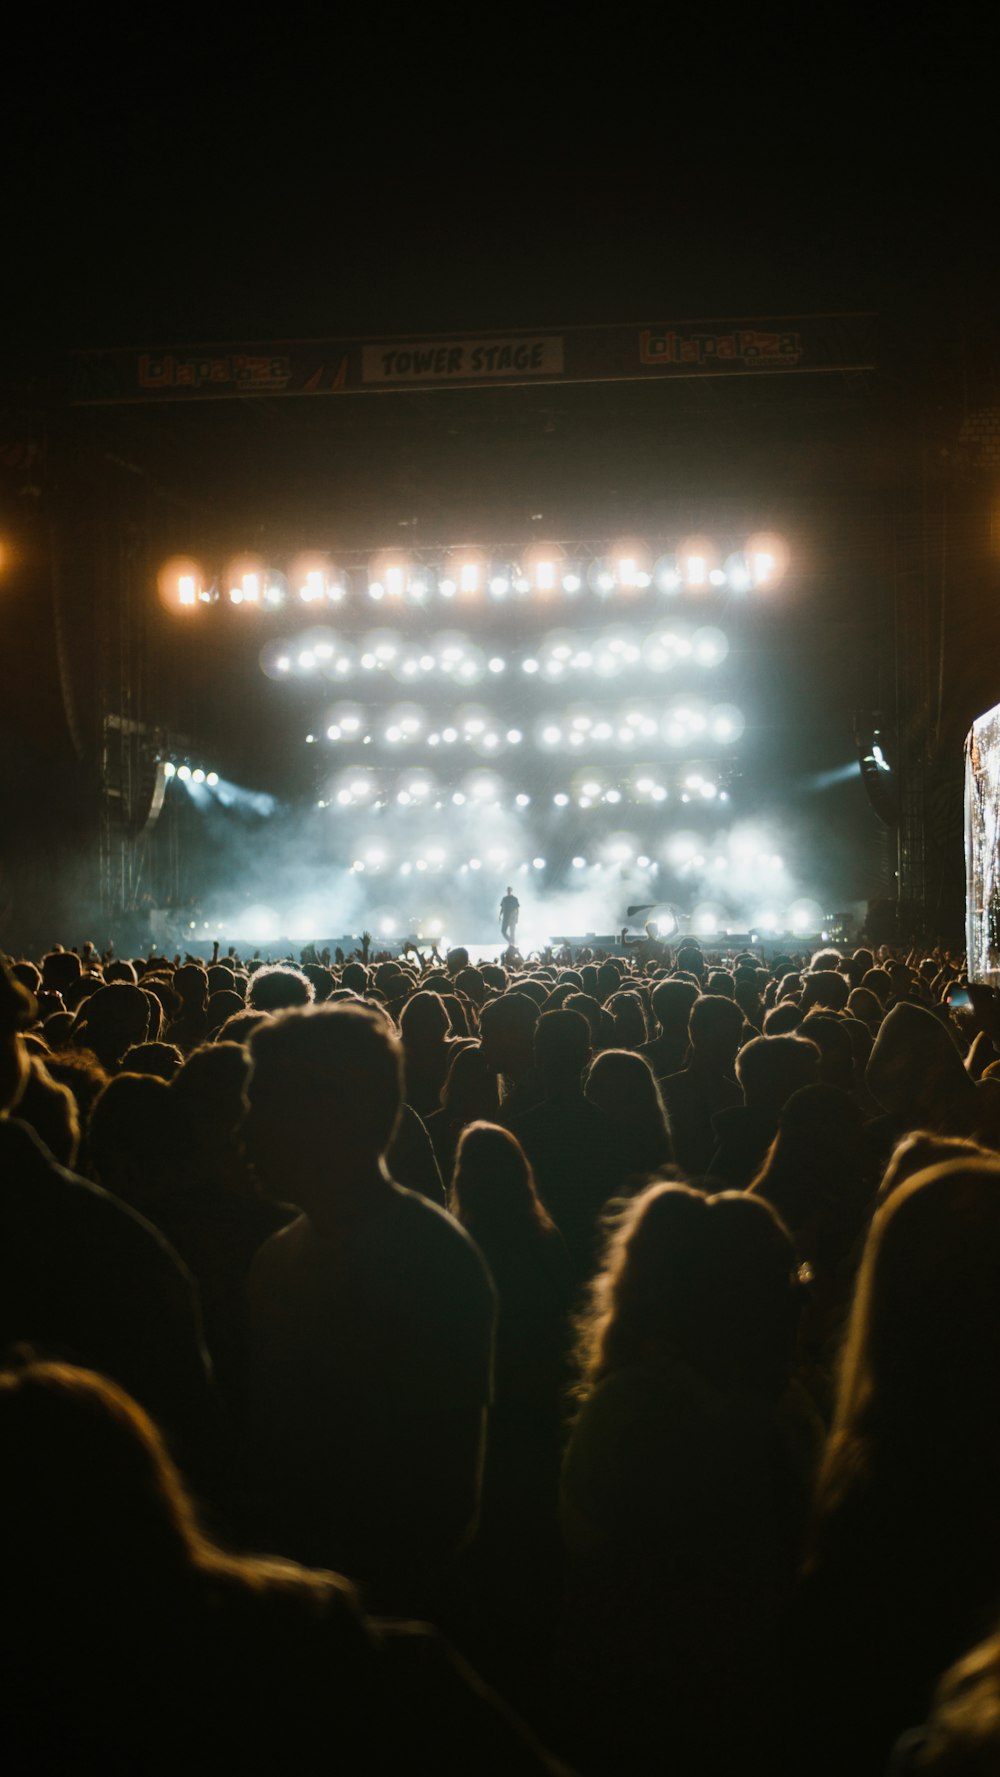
point(562, 1049)
point(424, 1019)
point(493, 1190)
point(771, 1068)
point(715, 1029)
point(710, 1279)
point(277, 987)
point(323, 1097)
point(111, 1020)
point(506, 1030)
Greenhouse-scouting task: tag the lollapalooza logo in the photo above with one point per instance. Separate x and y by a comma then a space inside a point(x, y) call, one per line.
point(753, 347)
point(247, 372)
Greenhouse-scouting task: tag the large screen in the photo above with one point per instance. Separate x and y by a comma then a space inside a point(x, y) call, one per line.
point(982, 847)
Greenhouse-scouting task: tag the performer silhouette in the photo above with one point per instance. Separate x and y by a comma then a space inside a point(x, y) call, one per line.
point(510, 907)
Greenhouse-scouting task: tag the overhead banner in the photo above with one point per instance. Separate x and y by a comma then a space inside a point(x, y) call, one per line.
point(643, 352)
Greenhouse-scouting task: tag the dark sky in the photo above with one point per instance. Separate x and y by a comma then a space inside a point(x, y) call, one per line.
point(217, 184)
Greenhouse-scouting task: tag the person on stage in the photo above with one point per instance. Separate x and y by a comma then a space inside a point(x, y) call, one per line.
point(510, 907)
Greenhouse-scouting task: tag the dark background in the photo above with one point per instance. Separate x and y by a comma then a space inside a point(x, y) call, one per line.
point(216, 185)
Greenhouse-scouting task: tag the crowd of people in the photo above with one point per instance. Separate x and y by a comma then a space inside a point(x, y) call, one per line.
point(578, 1364)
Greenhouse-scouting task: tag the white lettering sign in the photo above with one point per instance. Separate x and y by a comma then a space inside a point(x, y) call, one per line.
point(461, 360)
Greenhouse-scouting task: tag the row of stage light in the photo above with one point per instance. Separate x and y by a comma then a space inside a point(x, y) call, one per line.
point(455, 656)
point(680, 855)
point(406, 727)
point(484, 791)
point(544, 570)
point(186, 775)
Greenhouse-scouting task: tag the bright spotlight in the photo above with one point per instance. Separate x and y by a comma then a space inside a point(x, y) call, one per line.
point(630, 563)
point(514, 736)
point(805, 916)
point(666, 575)
point(212, 779)
point(550, 736)
point(579, 863)
point(179, 582)
point(522, 800)
point(197, 776)
point(767, 557)
point(709, 646)
point(697, 559)
point(529, 666)
point(538, 863)
point(169, 770)
point(466, 569)
point(496, 665)
point(726, 722)
point(571, 583)
point(184, 773)
point(541, 566)
point(737, 572)
point(561, 799)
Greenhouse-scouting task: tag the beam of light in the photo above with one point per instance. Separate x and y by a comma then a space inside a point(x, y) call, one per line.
point(839, 774)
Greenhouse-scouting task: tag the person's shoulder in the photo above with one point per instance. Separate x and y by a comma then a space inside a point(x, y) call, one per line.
point(84, 1207)
point(419, 1219)
point(280, 1250)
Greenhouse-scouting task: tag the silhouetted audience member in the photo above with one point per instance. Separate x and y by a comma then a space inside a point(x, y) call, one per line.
point(276, 987)
point(190, 1027)
point(428, 1050)
point(161, 1059)
point(110, 1021)
point(507, 1038)
point(471, 1094)
point(371, 1316)
point(620, 1082)
point(131, 1642)
point(782, 1019)
point(50, 1110)
point(685, 1488)
point(574, 1148)
point(961, 1737)
point(61, 971)
point(768, 1070)
point(904, 1570)
point(916, 1076)
point(667, 1051)
point(515, 1558)
point(630, 1030)
point(82, 1277)
point(707, 1084)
